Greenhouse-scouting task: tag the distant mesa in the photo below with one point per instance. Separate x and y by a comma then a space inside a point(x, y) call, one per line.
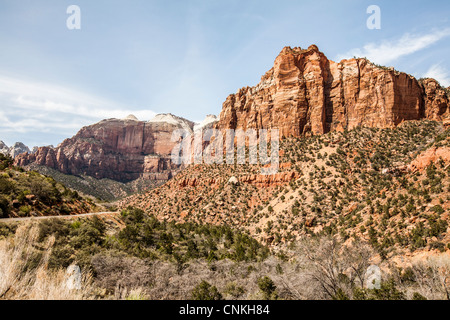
point(18, 148)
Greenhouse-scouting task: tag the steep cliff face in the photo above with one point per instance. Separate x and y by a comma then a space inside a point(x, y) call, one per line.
point(307, 93)
point(121, 150)
point(436, 100)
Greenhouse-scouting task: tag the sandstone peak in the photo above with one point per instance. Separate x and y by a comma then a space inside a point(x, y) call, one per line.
point(306, 93)
point(4, 148)
point(313, 47)
point(173, 120)
point(15, 150)
point(207, 123)
point(287, 50)
point(298, 50)
point(303, 93)
point(131, 117)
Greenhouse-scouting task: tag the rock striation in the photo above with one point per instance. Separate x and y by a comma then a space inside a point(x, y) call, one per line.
point(306, 93)
point(117, 149)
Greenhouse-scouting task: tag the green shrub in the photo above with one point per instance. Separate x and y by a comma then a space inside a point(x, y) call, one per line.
point(6, 186)
point(204, 291)
point(234, 290)
point(387, 291)
point(418, 296)
point(267, 288)
point(5, 208)
point(24, 211)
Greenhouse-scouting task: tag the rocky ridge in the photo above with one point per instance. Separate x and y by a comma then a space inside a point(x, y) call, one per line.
point(118, 149)
point(306, 93)
point(15, 150)
point(340, 183)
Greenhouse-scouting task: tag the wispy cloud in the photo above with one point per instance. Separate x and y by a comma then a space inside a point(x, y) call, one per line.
point(439, 73)
point(31, 106)
point(389, 51)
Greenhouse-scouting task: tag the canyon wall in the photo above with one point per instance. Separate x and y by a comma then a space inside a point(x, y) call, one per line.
point(122, 150)
point(304, 93)
point(307, 93)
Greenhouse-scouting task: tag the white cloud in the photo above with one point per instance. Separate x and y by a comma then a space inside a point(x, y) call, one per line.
point(27, 106)
point(388, 51)
point(439, 73)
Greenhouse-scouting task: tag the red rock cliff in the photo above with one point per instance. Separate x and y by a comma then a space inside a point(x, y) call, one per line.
point(121, 150)
point(307, 93)
point(303, 93)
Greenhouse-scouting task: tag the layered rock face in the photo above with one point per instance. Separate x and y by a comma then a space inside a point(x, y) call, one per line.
point(122, 150)
point(436, 100)
point(307, 93)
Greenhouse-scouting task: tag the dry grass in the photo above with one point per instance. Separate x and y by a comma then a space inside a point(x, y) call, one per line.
point(24, 274)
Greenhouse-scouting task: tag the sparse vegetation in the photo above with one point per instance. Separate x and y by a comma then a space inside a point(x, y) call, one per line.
point(25, 194)
point(321, 268)
point(342, 201)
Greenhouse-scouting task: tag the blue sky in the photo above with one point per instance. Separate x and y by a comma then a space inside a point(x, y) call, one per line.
point(185, 57)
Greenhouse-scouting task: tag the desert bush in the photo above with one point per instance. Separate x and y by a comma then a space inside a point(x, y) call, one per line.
point(43, 188)
point(233, 290)
point(24, 211)
point(267, 288)
point(6, 186)
point(118, 272)
point(432, 277)
point(205, 291)
point(5, 208)
point(5, 161)
point(334, 269)
point(387, 291)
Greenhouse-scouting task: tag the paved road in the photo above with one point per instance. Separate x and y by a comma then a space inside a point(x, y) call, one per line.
point(55, 217)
